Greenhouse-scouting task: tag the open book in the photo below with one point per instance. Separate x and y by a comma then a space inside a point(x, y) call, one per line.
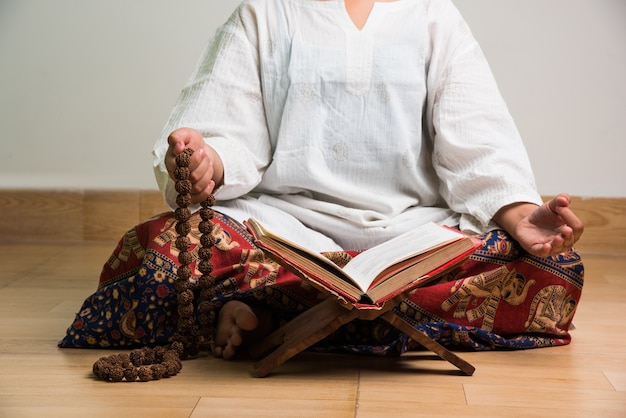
point(380, 273)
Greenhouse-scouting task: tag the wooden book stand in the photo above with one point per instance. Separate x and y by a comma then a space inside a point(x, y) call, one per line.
point(322, 319)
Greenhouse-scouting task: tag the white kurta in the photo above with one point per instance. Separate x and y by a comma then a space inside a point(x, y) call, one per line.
point(356, 134)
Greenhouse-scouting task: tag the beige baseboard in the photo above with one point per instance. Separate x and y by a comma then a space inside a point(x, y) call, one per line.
point(75, 215)
point(99, 215)
point(605, 224)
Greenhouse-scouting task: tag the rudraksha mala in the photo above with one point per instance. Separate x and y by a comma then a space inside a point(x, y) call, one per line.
point(194, 334)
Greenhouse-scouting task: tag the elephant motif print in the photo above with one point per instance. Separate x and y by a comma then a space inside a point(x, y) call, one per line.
point(550, 311)
point(493, 286)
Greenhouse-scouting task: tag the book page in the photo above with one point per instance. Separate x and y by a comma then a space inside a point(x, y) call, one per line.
point(422, 272)
point(365, 267)
point(307, 262)
point(318, 268)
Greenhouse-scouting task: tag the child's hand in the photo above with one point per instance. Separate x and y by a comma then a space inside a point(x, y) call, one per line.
point(206, 170)
point(549, 229)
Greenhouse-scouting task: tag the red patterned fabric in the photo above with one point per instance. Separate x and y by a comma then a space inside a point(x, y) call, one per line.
point(500, 297)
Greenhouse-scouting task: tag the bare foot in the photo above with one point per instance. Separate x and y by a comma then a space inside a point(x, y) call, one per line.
point(235, 326)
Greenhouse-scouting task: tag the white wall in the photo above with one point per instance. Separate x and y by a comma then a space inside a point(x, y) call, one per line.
point(561, 66)
point(86, 86)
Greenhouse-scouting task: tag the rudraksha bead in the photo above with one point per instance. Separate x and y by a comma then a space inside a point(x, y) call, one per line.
point(209, 201)
point(144, 373)
point(183, 186)
point(206, 214)
point(182, 214)
point(205, 227)
point(206, 282)
point(149, 356)
point(158, 371)
point(181, 285)
point(181, 173)
point(184, 325)
point(172, 367)
point(185, 258)
point(208, 319)
point(205, 266)
point(185, 310)
point(177, 347)
point(183, 243)
point(184, 272)
point(207, 240)
point(137, 357)
point(205, 253)
point(207, 294)
point(183, 159)
point(130, 374)
point(183, 200)
point(186, 297)
point(183, 228)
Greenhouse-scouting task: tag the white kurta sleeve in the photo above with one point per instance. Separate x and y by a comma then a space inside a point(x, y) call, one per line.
point(478, 153)
point(223, 101)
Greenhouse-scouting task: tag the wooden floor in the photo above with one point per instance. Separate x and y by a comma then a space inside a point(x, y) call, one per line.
point(43, 285)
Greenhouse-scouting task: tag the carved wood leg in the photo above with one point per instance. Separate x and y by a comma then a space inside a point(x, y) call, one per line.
point(428, 343)
point(300, 333)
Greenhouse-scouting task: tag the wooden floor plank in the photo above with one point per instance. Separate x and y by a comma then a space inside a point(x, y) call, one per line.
point(40, 294)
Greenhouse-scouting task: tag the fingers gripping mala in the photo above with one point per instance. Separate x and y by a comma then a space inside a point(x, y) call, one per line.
point(194, 333)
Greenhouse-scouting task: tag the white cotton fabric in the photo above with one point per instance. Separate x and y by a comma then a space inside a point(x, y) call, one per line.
point(357, 134)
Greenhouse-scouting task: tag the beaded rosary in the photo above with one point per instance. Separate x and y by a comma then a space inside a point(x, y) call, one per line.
point(193, 336)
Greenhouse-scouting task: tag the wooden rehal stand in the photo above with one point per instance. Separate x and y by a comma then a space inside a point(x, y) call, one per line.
point(322, 319)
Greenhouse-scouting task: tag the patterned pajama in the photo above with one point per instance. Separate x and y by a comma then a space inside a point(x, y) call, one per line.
point(499, 298)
